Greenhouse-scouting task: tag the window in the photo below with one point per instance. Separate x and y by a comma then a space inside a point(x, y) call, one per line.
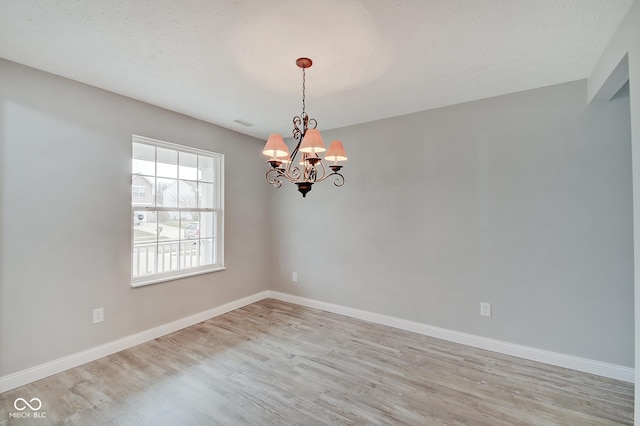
point(138, 191)
point(177, 211)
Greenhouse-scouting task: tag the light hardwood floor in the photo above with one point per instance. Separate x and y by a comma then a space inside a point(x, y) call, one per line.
point(273, 363)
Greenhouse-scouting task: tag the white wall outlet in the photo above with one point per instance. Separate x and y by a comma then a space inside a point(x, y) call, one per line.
point(485, 309)
point(98, 315)
point(294, 277)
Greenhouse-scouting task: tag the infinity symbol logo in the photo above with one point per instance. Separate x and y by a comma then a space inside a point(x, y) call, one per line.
point(26, 404)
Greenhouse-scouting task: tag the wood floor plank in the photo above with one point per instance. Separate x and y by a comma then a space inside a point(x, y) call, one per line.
point(275, 363)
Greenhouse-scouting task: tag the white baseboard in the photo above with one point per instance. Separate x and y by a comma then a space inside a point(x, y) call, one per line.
point(553, 358)
point(41, 371)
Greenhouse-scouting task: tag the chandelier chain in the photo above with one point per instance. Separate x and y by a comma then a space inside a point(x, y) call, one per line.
point(303, 90)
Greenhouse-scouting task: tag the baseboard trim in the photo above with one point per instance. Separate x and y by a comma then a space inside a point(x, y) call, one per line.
point(41, 371)
point(47, 369)
point(553, 358)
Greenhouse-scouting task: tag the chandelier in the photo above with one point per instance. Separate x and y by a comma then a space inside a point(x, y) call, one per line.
point(310, 167)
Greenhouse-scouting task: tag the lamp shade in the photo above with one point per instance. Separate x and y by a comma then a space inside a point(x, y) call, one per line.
point(275, 147)
point(312, 142)
point(336, 152)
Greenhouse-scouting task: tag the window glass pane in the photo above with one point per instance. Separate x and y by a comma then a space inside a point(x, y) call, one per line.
point(168, 226)
point(207, 225)
point(168, 256)
point(187, 194)
point(144, 230)
point(188, 166)
point(138, 191)
point(191, 225)
point(144, 160)
point(189, 254)
point(167, 163)
point(167, 193)
point(206, 170)
point(142, 191)
point(206, 196)
point(144, 259)
point(207, 255)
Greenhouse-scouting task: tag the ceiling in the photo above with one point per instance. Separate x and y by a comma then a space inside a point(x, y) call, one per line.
point(223, 60)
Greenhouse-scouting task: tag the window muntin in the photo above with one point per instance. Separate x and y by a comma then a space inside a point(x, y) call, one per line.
point(177, 222)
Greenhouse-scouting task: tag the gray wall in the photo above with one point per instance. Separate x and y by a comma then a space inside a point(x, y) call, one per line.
point(65, 237)
point(626, 43)
point(523, 201)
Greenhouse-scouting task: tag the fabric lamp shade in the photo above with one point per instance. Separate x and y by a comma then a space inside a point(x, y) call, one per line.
point(312, 142)
point(336, 152)
point(275, 147)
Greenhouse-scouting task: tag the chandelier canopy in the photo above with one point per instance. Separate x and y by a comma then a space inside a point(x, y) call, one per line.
point(310, 168)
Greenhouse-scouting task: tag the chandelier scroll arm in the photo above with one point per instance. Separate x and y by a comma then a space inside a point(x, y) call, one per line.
point(338, 181)
point(273, 177)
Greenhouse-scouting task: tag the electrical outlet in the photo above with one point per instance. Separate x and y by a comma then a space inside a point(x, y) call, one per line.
point(98, 315)
point(485, 309)
point(294, 277)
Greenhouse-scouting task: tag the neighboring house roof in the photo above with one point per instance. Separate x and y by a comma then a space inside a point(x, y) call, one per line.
point(148, 180)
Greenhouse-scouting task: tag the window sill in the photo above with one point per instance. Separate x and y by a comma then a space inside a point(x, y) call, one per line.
point(161, 278)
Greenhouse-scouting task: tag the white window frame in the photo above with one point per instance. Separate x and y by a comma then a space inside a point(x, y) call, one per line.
point(218, 211)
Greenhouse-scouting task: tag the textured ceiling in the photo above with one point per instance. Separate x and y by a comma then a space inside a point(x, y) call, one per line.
point(224, 60)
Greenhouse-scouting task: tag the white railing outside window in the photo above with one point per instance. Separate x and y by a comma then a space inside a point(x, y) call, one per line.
point(169, 256)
